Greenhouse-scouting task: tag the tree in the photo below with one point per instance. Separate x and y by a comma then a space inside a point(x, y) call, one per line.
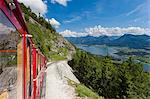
point(26, 17)
point(126, 80)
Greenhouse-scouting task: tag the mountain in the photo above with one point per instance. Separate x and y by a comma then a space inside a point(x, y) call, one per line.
point(127, 40)
point(132, 41)
point(90, 40)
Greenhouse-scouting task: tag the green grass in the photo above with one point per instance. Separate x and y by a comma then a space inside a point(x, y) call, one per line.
point(61, 54)
point(47, 41)
point(57, 57)
point(83, 91)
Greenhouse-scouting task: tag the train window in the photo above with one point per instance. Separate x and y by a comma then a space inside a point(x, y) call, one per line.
point(9, 39)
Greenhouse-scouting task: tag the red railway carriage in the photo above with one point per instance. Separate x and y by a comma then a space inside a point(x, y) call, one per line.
point(22, 65)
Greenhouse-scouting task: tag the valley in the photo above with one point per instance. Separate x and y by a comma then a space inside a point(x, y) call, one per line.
point(119, 53)
point(126, 40)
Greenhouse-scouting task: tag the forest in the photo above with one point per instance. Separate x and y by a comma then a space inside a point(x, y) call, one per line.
point(126, 80)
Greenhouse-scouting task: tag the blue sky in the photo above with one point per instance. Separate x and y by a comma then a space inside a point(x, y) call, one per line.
point(80, 14)
point(73, 16)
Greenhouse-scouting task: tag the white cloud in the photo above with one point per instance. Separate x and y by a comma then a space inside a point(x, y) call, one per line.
point(37, 6)
point(54, 23)
point(61, 2)
point(116, 31)
point(47, 19)
point(113, 31)
point(69, 33)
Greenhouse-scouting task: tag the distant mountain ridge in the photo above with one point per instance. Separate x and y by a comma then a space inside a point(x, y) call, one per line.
point(90, 40)
point(127, 40)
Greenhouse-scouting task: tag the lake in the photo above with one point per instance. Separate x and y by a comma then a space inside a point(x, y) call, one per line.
point(146, 67)
point(99, 49)
point(106, 50)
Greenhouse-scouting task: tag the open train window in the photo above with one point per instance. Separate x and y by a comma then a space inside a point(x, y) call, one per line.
point(9, 39)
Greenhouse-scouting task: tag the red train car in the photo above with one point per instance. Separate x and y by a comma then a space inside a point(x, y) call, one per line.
point(22, 65)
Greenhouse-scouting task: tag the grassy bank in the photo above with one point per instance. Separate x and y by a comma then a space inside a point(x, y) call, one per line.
point(83, 91)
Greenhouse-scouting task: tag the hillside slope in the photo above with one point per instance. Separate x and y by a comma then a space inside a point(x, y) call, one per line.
point(51, 43)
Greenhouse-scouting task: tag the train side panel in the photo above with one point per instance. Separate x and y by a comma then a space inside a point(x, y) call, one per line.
point(23, 63)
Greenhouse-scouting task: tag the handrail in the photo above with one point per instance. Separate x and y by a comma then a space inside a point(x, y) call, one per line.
point(10, 51)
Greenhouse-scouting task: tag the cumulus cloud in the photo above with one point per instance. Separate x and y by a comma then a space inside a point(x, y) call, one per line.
point(37, 6)
point(69, 33)
point(54, 23)
point(113, 31)
point(116, 31)
point(61, 2)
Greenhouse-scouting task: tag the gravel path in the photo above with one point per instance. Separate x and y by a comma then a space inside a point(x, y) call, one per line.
point(56, 82)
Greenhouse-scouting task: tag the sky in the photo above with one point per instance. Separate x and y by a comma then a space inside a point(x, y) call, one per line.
point(95, 17)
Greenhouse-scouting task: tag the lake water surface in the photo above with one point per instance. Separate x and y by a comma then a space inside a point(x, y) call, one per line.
point(146, 67)
point(105, 50)
point(98, 49)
